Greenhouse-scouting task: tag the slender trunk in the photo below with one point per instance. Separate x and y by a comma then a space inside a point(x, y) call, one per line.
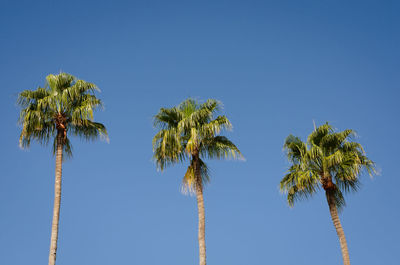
point(200, 209)
point(339, 229)
point(57, 200)
point(202, 225)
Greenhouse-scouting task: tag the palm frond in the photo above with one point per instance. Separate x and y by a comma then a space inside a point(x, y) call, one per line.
point(89, 130)
point(167, 148)
point(189, 182)
point(299, 184)
point(316, 136)
point(295, 149)
point(167, 118)
point(219, 147)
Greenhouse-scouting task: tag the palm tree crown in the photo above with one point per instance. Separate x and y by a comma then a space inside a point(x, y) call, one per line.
point(65, 105)
point(328, 159)
point(190, 131)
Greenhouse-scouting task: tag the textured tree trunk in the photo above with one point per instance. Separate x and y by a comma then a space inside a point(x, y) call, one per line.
point(200, 209)
point(57, 200)
point(339, 229)
point(202, 225)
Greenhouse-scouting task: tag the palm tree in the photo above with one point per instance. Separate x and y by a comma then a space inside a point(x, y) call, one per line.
point(190, 132)
point(330, 160)
point(63, 107)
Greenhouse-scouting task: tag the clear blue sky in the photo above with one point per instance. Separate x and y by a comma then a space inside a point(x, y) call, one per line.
point(276, 66)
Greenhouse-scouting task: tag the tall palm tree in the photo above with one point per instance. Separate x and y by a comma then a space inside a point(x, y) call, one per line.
point(190, 132)
point(62, 107)
point(330, 160)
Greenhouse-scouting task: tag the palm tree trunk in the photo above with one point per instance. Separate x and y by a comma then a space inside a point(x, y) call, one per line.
point(57, 201)
point(200, 209)
point(202, 225)
point(339, 229)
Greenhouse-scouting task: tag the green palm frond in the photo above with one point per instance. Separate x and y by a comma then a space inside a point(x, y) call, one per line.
point(316, 136)
point(167, 118)
point(299, 184)
point(167, 148)
point(27, 97)
point(336, 139)
point(219, 147)
point(89, 130)
point(295, 148)
point(214, 127)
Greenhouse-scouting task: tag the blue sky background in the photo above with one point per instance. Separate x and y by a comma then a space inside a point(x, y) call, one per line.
point(276, 66)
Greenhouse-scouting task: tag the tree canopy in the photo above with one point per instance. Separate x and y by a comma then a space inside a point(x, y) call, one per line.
point(328, 159)
point(64, 105)
point(189, 130)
